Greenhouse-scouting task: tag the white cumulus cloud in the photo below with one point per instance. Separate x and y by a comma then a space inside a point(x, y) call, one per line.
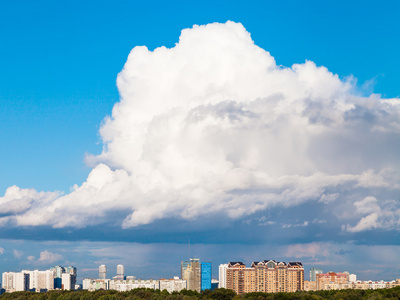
point(384, 214)
point(214, 126)
point(48, 257)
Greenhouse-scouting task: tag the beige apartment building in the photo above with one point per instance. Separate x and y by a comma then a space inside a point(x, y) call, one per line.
point(331, 280)
point(265, 276)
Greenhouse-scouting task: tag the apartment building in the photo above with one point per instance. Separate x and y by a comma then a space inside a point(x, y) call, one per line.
point(267, 276)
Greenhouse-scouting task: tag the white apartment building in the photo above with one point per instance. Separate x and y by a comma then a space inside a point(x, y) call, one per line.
point(222, 275)
point(102, 272)
point(172, 285)
point(40, 280)
point(119, 285)
point(15, 281)
point(68, 281)
point(95, 284)
point(127, 285)
point(8, 280)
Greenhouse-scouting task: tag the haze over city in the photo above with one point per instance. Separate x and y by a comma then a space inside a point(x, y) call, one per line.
point(254, 130)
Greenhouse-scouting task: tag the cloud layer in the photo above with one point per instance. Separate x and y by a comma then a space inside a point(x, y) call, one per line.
point(214, 127)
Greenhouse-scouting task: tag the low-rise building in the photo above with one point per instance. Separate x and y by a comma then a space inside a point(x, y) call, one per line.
point(172, 285)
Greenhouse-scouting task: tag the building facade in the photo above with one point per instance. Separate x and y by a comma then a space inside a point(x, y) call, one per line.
point(16, 281)
point(222, 275)
point(205, 276)
point(120, 272)
point(191, 272)
point(172, 285)
point(102, 272)
point(328, 281)
point(266, 276)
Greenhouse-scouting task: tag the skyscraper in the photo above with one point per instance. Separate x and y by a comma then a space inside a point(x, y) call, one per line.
point(191, 272)
point(222, 275)
point(120, 272)
point(102, 272)
point(71, 270)
point(205, 276)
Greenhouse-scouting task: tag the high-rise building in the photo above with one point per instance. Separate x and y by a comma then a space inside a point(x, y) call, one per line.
point(72, 271)
point(191, 272)
point(120, 273)
point(313, 273)
point(102, 272)
point(266, 276)
point(21, 281)
point(205, 276)
point(68, 281)
point(40, 281)
point(222, 275)
point(8, 281)
point(58, 271)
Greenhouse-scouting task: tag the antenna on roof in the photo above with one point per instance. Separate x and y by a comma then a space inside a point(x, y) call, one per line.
point(189, 248)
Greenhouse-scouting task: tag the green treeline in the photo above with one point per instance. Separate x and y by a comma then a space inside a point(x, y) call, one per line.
point(218, 294)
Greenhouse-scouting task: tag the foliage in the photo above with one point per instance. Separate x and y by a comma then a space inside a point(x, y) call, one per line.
point(218, 294)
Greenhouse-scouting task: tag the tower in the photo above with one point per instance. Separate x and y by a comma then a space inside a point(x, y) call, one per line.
point(102, 272)
point(120, 272)
point(191, 272)
point(205, 276)
point(222, 275)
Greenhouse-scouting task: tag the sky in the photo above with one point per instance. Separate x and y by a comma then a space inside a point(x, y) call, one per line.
point(256, 130)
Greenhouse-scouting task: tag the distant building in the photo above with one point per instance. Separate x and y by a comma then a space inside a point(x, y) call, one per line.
point(68, 281)
point(58, 271)
point(102, 272)
point(310, 286)
point(191, 272)
point(37, 281)
point(214, 284)
point(352, 277)
point(120, 273)
point(21, 281)
point(172, 285)
point(72, 271)
point(313, 273)
point(95, 284)
point(41, 281)
point(8, 281)
point(205, 276)
point(331, 280)
point(127, 285)
point(267, 276)
point(222, 275)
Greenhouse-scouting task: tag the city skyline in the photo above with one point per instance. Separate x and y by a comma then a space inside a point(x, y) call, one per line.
point(254, 131)
point(268, 276)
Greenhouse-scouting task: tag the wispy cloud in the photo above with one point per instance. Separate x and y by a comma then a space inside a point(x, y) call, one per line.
point(17, 253)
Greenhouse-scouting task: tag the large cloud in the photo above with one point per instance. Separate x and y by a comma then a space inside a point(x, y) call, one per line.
point(213, 126)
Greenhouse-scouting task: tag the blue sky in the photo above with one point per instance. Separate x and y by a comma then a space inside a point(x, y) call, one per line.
point(59, 61)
